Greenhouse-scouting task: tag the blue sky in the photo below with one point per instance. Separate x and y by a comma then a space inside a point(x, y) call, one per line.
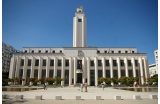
point(110, 23)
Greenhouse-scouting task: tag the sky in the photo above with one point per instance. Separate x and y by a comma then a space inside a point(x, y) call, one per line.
point(110, 23)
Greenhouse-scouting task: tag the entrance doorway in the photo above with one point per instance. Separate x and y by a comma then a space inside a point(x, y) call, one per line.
point(79, 77)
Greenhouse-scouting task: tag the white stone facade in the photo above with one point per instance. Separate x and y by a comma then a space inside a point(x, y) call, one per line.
point(156, 60)
point(152, 70)
point(79, 64)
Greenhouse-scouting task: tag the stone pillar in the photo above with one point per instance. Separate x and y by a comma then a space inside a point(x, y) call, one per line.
point(55, 67)
point(25, 68)
point(84, 69)
point(75, 68)
point(146, 69)
point(88, 70)
point(40, 68)
point(17, 66)
point(134, 70)
point(32, 67)
point(47, 67)
point(103, 66)
point(111, 67)
point(96, 71)
point(141, 70)
point(119, 68)
point(126, 66)
point(62, 72)
point(12, 68)
point(70, 71)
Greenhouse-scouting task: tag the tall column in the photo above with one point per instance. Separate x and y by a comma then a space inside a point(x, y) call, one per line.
point(25, 67)
point(70, 71)
point(12, 67)
point(103, 66)
point(55, 67)
point(133, 64)
point(84, 69)
point(111, 67)
point(88, 71)
point(62, 72)
point(32, 67)
point(47, 67)
point(119, 68)
point(141, 70)
point(146, 69)
point(17, 66)
point(75, 68)
point(126, 66)
point(40, 68)
point(96, 71)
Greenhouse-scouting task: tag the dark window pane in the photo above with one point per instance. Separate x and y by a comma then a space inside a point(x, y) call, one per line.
point(28, 73)
point(20, 73)
point(29, 62)
point(59, 62)
point(66, 81)
point(51, 73)
point(22, 62)
point(53, 51)
point(122, 63)
point(67, 63)
point(79, 64)
point(130, 73)
point(129, 63)
point(59, 73)
point(136, 62)
point(79, 20)
point(36, 62)
point(114, 63)
point(51, 62)
point(39, 51)
point(44, 62)
point(99, 73)
point(115, 73)
point(99, 63)
point(35, 73)
point(92, 63)
point(43, 73)
point(108, 73)
point(107, 62)
point(123, 73)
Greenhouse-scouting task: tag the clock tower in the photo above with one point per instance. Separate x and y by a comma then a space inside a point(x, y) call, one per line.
point(79, 28)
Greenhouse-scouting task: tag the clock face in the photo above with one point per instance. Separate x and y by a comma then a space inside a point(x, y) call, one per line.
point(80, 53)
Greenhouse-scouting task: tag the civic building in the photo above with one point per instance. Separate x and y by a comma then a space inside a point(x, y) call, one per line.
point(79, 64)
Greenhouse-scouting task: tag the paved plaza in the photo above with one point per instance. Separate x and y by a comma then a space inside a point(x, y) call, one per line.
point(69, 93)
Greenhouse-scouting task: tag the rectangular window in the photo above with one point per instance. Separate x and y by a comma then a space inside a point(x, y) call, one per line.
point(112, 51)
point(51, 62)
point(22, 62)
point(36, 62)
point(51, 73)
point(35, 73)
point(99, 62)
point(119, 51)
point(39, 51)
point(123, 73)
point(136, 62)
point(20, 73)
point(59, 73)
point(59, 63)
point(107, 73)
point(105, 51)
point(99, 73)
point(32, 51)
point(79, 64)
point(98, 51)
point(132, 51)
point(43, 73)
point(114, 63)
point(44, 62)
point(107, 62)
point(115, 73)
point(92, 63)
point(53, 51)
point(79, 20)
point(60, 51)
point(126, 51)
point(129, 63)
point(25, 51)
point(29, 62)
point(67, 63)
point(46, 51)
point(130, 72)
point(122, 63)
point(28, 73)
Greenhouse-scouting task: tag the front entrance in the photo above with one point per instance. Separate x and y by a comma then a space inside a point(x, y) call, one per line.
point(79, 77)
